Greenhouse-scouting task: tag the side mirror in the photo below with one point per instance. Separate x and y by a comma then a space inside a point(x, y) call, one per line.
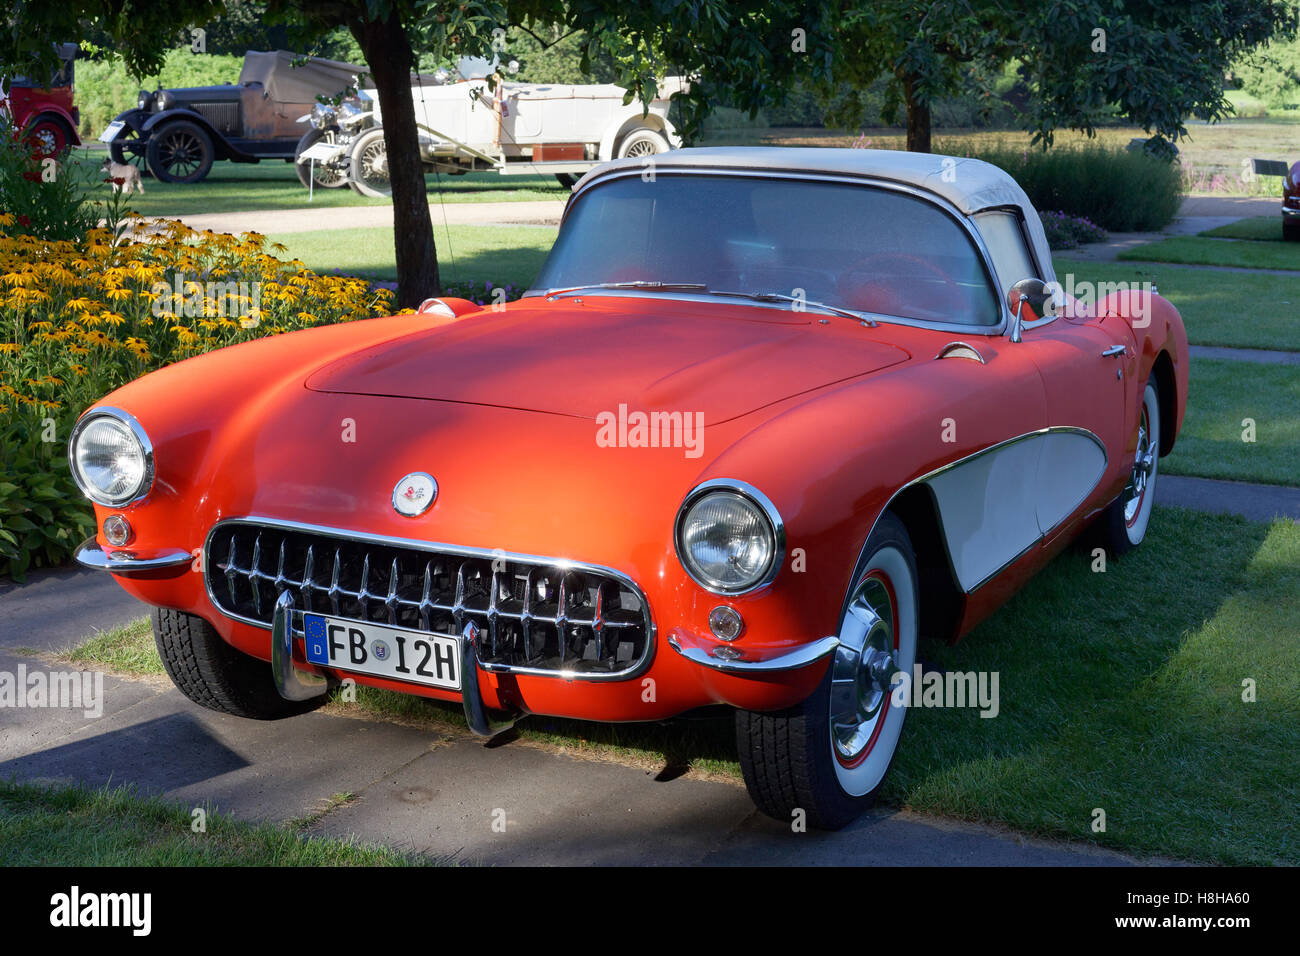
point(1030, 300)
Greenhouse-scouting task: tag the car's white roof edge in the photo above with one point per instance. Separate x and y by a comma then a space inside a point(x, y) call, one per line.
point(970, 185)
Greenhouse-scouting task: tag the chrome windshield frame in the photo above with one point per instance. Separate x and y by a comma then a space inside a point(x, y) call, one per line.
point(963, 220)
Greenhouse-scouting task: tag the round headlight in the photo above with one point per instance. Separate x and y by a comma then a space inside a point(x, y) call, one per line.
point(144, 100)
point(111, 457)
point(729, 537)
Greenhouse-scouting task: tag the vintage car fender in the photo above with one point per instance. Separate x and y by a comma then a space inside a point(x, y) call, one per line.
point(220, 145)
point(51, 109)
point(134, 119)
point(631, 118)
point(1162, 349)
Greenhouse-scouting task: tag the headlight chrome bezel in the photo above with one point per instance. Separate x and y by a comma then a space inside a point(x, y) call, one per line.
point(765, 506)
point(146, 447)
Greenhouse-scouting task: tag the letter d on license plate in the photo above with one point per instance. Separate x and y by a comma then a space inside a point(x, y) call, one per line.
point(366, 648)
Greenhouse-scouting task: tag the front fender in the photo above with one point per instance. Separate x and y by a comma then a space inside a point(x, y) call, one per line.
point(221, 146)
point(50, 109)
point(132, 118)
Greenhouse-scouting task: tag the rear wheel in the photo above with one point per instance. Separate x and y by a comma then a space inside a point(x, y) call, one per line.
point(1123, 525)
point(180, 152)
point(642, 142)
point(828, 755)
point(48, 136)
point(1291, 228)
point(210, 672)
point(368, 173)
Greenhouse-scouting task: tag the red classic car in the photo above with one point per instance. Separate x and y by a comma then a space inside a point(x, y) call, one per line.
point(45, 113)
point(766, 417)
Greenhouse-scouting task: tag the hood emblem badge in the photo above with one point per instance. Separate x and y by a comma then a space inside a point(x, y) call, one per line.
point(414, 494)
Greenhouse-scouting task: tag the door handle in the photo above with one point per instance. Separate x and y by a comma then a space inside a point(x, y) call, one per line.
point(1115, 350)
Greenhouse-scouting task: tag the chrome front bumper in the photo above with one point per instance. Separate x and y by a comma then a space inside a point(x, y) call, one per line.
point(801, 656)
point(296, 684)
point(91, 555)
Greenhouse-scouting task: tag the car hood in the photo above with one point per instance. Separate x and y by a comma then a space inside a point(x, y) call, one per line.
point(582, 357)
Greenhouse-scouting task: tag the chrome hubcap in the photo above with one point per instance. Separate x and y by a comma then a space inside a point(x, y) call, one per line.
point(1143, 465)
point(863, 670)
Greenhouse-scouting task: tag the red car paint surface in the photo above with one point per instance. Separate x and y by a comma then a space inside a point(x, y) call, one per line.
point(829, 418)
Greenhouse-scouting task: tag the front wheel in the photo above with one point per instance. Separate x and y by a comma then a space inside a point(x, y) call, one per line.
point(326, 177)
point(828, 755)
point(180, 152)
point(215, 675)
point(1123, 525)
point(1290, 228)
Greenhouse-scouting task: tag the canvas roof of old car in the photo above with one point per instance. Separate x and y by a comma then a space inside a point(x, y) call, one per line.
point(287, 83)
point(971, 185)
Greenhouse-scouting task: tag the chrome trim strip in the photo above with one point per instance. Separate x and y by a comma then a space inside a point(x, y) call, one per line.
point(961, 350)
point(986, 258)
point(802, 656)
point(89, 554)
point(745, 489)
point(436, 547)
point(928, 476)
point(127, 419)
point(290, 682)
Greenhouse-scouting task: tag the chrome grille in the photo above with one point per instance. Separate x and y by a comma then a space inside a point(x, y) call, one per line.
point(536, 615)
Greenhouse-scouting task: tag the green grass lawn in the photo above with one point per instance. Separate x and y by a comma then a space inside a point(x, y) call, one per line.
point(1196, 250)
point(500, 254)
point(78, 826)
point(273, 184)
point(1260, 228)
point(1119, 690)
point(1219, 308)
point(1221, 395)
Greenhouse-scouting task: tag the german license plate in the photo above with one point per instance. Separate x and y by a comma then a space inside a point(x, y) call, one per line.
point(110, 134)
point(366, 648)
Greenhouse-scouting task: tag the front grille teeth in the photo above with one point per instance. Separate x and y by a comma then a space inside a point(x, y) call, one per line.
point(536, 615)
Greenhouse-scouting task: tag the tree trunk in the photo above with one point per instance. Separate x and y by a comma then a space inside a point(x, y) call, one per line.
point(918, 118)
point(388, 54)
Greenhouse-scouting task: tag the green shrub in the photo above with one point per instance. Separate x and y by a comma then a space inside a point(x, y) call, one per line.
point(43, 514)
point(1118, 190)
point(45, 199)
point(104, 88)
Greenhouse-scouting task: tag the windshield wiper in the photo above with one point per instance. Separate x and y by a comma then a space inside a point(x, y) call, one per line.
point(648, 285)
point(782, 297)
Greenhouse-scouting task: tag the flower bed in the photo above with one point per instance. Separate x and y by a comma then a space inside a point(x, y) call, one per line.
point(81, 317)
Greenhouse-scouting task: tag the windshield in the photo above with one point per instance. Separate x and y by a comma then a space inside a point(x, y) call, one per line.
point(851, 246)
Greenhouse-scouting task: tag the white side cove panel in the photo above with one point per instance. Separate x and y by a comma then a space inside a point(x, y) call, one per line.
point(1000, 502)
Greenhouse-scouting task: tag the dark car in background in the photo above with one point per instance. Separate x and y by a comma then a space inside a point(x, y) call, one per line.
point(179, 133)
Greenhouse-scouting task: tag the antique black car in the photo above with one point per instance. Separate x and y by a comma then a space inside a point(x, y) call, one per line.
point(178, 134)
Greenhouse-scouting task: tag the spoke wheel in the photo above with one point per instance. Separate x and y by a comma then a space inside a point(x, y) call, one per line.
point(370, 166)
point(180, 152)
point(129, 150)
